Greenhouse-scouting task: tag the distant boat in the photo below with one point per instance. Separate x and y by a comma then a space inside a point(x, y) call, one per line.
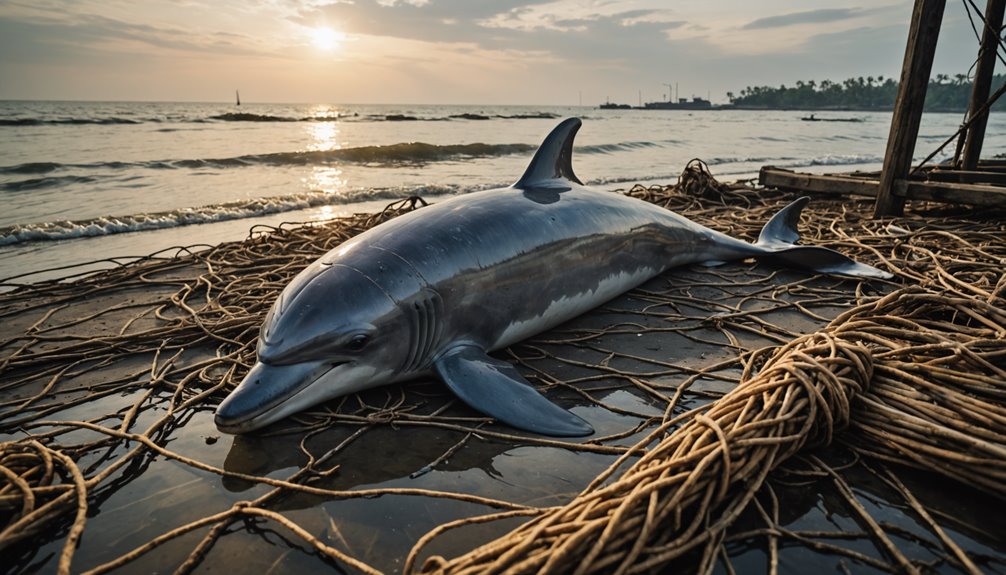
point(237, 96)
point(812, 118)
point(613, 106)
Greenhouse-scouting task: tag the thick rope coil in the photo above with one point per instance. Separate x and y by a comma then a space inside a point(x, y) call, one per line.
point(919, 376)
point(688, 488)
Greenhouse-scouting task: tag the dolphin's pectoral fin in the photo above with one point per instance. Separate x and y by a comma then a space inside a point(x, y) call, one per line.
point(495, 388)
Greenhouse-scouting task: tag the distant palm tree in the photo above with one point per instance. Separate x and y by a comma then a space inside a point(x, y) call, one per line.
point(873, 92)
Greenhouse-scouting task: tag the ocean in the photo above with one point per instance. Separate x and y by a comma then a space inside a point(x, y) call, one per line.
point(99, 183)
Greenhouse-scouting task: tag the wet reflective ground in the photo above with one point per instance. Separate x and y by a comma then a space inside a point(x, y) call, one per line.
point(422, 458)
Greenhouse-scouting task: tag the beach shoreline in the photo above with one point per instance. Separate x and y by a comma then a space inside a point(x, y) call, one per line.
point(91, 180)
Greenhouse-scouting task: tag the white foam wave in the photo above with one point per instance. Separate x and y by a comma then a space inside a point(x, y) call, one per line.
point(846, 159)
point(840, 160)
point(790, 162)
point(108, 225)
point(632, 179)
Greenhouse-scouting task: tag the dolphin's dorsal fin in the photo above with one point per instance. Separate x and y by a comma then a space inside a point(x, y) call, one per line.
point(497, 389)
point(554, 157)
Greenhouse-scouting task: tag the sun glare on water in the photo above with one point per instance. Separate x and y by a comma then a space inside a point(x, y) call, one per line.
point(325, 38)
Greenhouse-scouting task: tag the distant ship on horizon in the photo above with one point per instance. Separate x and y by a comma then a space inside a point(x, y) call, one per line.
point(696, 103)
point(612, 106)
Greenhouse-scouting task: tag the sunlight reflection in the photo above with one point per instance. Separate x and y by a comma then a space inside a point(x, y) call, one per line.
point(324, 136)
point(324, 213)
point(326, 179)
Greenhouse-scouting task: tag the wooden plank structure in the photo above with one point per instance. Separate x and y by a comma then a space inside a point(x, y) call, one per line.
point(983, 83)
point(966, 180)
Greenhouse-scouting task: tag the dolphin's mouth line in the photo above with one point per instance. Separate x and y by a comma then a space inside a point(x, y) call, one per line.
point(267, 409)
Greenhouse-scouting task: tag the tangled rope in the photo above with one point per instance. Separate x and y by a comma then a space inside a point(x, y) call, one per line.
point(935, 402)
point(689, 488)
point(32, 472)
point(938, 399)
point(914, 377)
point(662, 506)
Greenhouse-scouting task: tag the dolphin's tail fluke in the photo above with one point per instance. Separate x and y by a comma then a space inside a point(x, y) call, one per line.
point(779, 236)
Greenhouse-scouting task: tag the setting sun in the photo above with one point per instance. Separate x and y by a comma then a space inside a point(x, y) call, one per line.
point(325, 38)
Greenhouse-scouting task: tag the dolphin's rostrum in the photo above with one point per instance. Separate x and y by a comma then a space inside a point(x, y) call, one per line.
point(434, 291)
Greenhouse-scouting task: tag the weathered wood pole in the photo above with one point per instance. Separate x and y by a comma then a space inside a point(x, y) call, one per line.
point(927, 16)
point(983, 83)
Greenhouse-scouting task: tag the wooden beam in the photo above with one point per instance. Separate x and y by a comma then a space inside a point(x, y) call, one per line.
point(772, 177)
point(978, 113)
point(927, 16)
point(967, 176)
point(970, 194)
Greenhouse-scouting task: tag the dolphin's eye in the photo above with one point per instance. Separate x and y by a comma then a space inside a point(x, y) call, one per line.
point(357, 342)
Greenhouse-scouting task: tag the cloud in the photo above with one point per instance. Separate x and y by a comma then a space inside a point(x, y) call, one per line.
point(73, 36)
point(823, 15)
point(564, 15)
point(463, 51)
point(633, 17)
point(572, 31)
point(412, 2)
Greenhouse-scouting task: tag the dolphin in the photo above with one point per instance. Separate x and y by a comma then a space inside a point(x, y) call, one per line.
point(434, 291)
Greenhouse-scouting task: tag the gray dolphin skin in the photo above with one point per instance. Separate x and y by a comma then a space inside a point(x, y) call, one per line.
point(434, 291)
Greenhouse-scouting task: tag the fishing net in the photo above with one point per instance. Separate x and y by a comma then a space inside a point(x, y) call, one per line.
point(714, 392)
point(918, 375)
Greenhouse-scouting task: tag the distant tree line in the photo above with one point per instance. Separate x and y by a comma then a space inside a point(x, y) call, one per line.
point(945, 93)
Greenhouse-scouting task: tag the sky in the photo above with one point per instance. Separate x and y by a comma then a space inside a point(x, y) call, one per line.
point(534, 52)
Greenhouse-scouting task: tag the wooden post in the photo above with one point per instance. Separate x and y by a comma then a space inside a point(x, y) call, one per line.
point(927, 17)
point(983, 83)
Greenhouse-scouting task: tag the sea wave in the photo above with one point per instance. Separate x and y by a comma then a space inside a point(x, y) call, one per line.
point(109, 225)
point(795, 162)
point(255, 117)
point(719, 161)
point(71, 121)
point(407, 153)
point(402, 153)
point(844, 160)
point(411, 152)
point(43, 182)
point(248, 117)
point(530, 116)
point(634, 179)
point(616, 147)
point(31, 168)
